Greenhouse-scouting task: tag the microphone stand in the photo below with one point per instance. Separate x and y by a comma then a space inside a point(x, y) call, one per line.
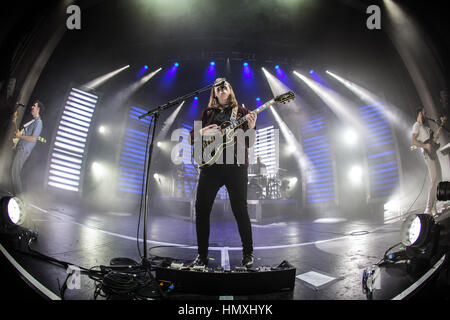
point(155, 113)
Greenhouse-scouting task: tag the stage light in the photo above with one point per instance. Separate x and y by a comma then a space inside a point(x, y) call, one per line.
point(245, 64)
point(293, 180)
point(102, 129)
point(195, 98)
point(443, 191)
point(258, 99)
point(12, 211)
point(176, 64)
point(277, 66)
point(146, 67)
point(418, 230)
point(350, 136)
point(212, 63)
point(159, 144)
point(290, 149)
point(355, 174)
point(98, 170)
point(311, 71)
point(158, 177)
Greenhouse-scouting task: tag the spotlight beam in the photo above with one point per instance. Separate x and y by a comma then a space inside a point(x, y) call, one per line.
point(168, 123)
point(391, 112)
point(277, 87)
point(93, 84)
point(338, 104)
point(126, 93)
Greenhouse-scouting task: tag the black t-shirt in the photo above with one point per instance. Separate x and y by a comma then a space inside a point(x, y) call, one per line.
point(222, 115)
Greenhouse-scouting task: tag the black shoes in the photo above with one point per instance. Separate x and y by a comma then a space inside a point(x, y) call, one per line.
point(200, 261)
point(248, 259)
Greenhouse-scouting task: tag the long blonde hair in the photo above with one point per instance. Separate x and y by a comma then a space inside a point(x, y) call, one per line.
point(214, 102)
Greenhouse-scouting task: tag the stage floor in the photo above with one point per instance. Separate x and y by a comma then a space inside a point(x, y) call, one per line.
point(338, 248)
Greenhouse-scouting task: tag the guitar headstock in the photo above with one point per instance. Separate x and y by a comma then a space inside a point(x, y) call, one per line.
point(285, 97)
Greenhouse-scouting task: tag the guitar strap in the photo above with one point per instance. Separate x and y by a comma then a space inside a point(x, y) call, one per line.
point(29, 123)
point(234, 114)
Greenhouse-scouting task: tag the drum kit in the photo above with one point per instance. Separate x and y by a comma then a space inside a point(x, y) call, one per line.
point(265, 186)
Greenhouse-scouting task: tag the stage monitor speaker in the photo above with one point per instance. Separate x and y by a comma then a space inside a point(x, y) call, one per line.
point(239, 281)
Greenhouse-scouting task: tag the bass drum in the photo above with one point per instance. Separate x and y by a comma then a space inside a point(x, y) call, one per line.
point(254, 191)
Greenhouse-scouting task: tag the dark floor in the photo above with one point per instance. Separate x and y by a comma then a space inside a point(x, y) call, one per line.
point(341, 248)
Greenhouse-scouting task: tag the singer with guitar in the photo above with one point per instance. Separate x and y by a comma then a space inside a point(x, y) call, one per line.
point(223, 105)
point(27, 141)
point(423, 137)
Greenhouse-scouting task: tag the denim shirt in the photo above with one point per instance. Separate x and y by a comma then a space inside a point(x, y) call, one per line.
point(34, 130)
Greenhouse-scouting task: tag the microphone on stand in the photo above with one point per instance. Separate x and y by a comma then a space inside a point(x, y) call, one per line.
point(435, 121)
point(221, 84)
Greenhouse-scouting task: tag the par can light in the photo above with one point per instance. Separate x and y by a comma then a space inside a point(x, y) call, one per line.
point(417, 230)
point(443, 191)
point(12, 211)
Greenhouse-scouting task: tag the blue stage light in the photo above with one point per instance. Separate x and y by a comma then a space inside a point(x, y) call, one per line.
point(212, 63)
point(258, 99)
point(176, 64)
point(277, 66)
point(311, 71)
point(245, 64)
point(146, 67)
point(195, 98)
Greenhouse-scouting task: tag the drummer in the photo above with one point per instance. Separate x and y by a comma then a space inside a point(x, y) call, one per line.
point(259, 168)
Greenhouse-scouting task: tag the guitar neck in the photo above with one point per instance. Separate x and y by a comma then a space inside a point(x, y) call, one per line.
point(242, 120)
point(436, 136)
point(438, 132)
point(15, 121)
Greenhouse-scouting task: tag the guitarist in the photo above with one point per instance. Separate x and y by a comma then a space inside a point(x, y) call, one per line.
point(234, 176)
point(420, 134)
point(27, 141)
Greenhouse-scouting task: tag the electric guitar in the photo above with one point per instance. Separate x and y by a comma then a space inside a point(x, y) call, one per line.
point(16, 140)
point(433, 141)
point(227, 130)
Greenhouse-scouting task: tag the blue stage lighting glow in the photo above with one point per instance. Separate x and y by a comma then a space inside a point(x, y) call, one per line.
point(311, 71)
point(176, 64)
point(142, 71)
point(212, 63)
point(195, 98)
point(277, 66)
point(258, 102)
point(247, 71)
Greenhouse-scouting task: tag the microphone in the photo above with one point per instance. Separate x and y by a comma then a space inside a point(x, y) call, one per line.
point(432, 120)
point(221, 84)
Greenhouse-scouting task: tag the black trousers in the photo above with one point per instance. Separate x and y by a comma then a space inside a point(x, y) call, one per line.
point(210, 181)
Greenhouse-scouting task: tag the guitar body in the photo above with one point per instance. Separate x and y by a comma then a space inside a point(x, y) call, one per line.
point(434, 147)
point(228, 135)
point(433, 141)
point(16, 140)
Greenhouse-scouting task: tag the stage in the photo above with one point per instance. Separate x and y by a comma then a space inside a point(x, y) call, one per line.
point(337, 249)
